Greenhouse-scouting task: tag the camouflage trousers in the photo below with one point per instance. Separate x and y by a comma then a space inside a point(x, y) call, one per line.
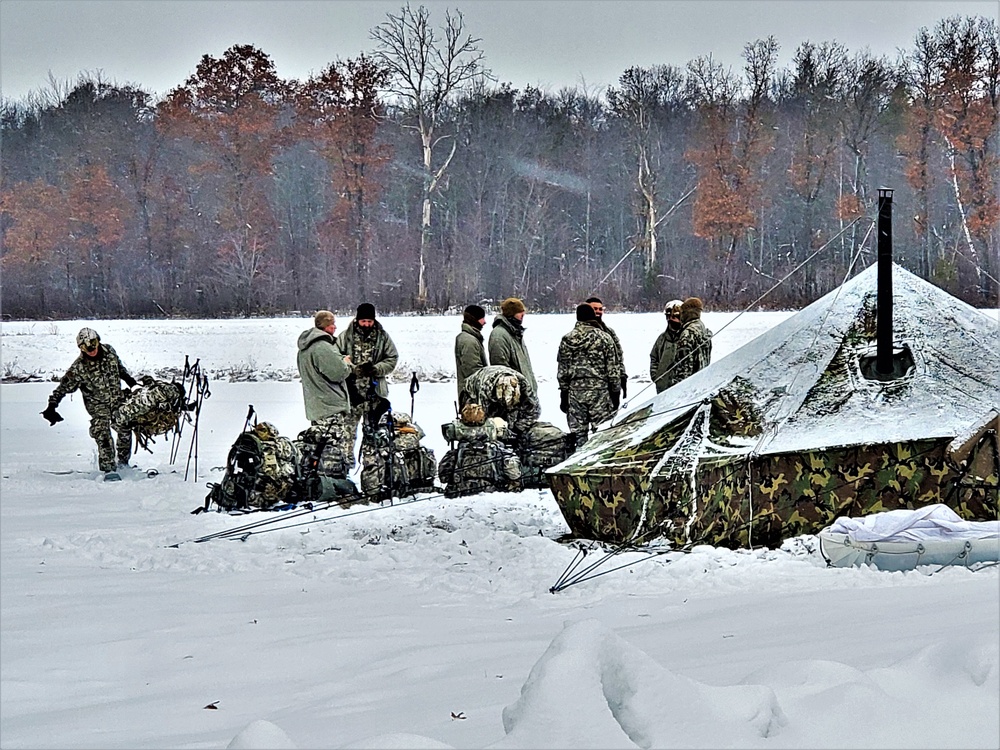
point(587, 409)
point(336, 435)
point(108, 458)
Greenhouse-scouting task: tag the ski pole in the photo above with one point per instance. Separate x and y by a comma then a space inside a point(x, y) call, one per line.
point(414, 387)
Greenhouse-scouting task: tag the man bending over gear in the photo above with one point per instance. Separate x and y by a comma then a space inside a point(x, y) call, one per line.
point(503, 392)
point(97, 374)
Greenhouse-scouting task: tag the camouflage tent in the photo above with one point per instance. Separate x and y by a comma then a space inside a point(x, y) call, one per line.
point(796, 428)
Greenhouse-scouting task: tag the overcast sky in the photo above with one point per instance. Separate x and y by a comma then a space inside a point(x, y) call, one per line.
point(156, 44)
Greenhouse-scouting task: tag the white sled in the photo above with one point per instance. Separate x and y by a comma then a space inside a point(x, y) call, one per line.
point(904, 539)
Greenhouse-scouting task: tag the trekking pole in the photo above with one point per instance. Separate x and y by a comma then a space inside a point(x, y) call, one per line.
point(175, 442)
point(201, 393)
point(414, 387)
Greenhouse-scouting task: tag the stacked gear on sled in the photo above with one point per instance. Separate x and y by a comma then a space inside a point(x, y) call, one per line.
point(543, 446)
point(323, 466)
point(478, 459)
point(394, 463)
point(153, 408)
point(262, 471)
point(265, 470)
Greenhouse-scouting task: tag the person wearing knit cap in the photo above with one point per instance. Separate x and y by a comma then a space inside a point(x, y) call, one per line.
point(694, 345)
point(664, 352)
point(373, 356)
point(324, 370)
point(470, 353)
point(506, 344)
point(588, 374)
point(598, 305)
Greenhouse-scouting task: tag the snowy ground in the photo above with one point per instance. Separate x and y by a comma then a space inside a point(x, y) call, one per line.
point(430, 624)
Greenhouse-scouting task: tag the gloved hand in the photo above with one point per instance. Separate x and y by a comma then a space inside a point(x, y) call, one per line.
point(52, 415)
point(563, 400)
point(624, 386)
point(367, 369)
point(147, 380)
point(615, 398)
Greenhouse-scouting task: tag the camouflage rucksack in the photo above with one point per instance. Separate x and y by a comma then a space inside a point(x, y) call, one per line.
point(262, 470)
point(479, 460)
point(152, 409)
point(413, 466)
point(542, 446)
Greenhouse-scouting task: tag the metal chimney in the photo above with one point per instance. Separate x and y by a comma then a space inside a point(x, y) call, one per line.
point(883, 352)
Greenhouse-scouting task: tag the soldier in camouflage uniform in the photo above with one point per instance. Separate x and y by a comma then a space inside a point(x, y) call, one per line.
point(469, 352)
point(588, 375)
point(373, 357)
point(598, 305)
point(324, 370)
point(505, 393)
point(97, 373)
point(664, 352)
point(694, 345)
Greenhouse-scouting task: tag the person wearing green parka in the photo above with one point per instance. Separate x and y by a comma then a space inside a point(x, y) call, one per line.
point(470, 354)
point(506, 345)
point(323, 370)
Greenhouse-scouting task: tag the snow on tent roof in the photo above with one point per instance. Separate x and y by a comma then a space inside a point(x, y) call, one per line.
point(809, 387)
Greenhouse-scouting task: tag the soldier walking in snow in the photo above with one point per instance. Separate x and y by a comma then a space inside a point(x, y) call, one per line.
point(507, 341)
point(97, 373)
point(598, 305)
point(694, 345)
point(470, 355)
point(588, 375)
point(323, 370)
point(664, 352)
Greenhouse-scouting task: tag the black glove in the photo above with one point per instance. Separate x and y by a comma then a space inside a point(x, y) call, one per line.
point(52, 415)
point(563, 401)
point(367, 369)
point(129, 380)
point(616, 398)
point(624, 386)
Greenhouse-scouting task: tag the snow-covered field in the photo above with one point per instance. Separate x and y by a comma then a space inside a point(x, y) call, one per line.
point(430, 624)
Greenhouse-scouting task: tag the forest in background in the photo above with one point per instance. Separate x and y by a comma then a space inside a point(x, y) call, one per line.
point(409, 177)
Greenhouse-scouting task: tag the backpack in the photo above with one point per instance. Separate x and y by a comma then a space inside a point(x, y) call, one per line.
point(479, 460)
point(154, 408)
point(543, 446)
point(396, 450)
point(262, 471)
point(323, 468)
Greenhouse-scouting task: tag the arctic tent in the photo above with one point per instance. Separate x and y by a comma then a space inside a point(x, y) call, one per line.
point(797, 428)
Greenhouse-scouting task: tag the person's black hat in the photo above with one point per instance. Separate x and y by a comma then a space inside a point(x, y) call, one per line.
point(475, 312)
point(585, 312)
point(366, 311)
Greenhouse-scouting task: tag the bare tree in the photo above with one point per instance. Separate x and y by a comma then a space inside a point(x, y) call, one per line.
point(642, 94)
point(427, 71)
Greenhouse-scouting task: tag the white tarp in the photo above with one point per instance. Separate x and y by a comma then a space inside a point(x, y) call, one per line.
point(930, 522)
point(904, 539)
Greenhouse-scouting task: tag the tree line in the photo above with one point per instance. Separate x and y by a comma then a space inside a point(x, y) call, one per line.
point(411, 178)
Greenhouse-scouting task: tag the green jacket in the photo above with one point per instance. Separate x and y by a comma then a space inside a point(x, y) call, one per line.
point(98, 379)
point(469, 353)
point(323, 370)
point(661, 359)
point(375, 347)
point(507, 348)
